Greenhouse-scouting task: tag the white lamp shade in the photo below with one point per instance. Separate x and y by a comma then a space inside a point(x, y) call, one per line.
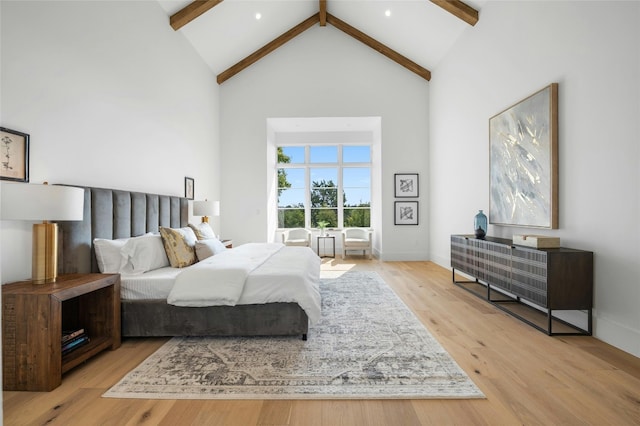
point(27, 201)
point(206, 208)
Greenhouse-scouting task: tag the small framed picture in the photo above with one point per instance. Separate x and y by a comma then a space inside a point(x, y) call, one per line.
point(15, 155)
point(406, 213)
point(188, 188)
point(406, 185)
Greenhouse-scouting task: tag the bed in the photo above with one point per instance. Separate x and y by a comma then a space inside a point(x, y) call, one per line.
point(116, 214)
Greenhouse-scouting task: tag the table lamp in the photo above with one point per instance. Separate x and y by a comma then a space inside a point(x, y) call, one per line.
point(206, 208)
point(33, 202)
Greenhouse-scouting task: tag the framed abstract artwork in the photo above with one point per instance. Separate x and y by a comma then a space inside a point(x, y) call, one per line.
point(15, 155)
point(523, 162)
point(406, 213)
point(189, 188)
point(406, 185)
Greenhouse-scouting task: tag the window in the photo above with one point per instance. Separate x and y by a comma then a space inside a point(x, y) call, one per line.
point(329, 184)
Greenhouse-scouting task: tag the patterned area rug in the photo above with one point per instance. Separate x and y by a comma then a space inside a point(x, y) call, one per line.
point(367, 345)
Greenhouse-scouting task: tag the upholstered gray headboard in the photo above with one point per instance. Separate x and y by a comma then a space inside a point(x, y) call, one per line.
point(112, 213)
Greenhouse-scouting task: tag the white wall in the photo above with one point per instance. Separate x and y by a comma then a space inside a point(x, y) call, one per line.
point(323, 73)
point(111, 97)
point(592, 50)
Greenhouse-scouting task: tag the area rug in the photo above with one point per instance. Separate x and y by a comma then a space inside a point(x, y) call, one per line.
point(367, 345)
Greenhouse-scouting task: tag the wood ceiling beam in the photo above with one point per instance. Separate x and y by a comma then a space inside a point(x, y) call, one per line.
point(381, 48)
point(323, 13)
point(191, 12)
point(268, 48)
point(459, 10)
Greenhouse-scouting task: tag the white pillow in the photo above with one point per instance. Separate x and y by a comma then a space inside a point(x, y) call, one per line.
point(209, 247)
point(203, 230)
point(108, 254)
point(142, 254)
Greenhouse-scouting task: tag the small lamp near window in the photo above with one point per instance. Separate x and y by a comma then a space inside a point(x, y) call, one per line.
point(33, 202)
point(206, 208)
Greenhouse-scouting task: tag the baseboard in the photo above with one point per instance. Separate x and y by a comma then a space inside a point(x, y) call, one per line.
point(402, 256)
point(616, 334)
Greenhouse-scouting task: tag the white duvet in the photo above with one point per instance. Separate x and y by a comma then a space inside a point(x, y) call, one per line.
point(252, 274)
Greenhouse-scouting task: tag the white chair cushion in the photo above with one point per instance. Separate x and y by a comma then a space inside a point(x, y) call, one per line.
point(297, 242)
point(356, 242)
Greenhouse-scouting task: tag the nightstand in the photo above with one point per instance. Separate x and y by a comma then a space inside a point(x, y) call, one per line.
point(34, 315)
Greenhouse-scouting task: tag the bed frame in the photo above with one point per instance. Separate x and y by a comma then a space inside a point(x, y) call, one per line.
point(111, 213)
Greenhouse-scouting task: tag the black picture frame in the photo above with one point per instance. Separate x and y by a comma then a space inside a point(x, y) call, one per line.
point(14, 147)
point(406, 185)
point(406, 213)
point(189, 188)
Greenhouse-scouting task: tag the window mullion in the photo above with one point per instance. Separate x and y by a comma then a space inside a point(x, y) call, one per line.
point(340, 190)
point(307, 186)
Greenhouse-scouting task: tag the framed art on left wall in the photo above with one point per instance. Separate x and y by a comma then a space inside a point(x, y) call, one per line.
point(14, 146)
point(189, 187)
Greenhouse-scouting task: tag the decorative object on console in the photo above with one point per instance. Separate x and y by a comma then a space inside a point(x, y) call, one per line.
point(206, 208)
point(480, 225)
point(189, 188)
point(406, 213)
point(15, 155)
point(32, 202)
point(536, 241)
point(406, 185)
point(523, 156)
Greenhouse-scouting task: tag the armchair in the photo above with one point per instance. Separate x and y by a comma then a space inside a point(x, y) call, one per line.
point(357, 239)
point(297, 237)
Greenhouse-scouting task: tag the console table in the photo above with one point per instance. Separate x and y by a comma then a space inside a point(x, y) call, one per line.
point(543, 279)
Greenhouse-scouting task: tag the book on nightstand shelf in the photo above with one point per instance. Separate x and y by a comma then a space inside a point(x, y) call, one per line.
point(73, 339)
point(70, 334)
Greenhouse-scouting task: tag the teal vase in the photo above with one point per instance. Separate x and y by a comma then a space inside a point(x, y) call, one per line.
point(480, 225)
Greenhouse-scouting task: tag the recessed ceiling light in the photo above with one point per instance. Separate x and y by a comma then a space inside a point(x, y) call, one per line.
point(258, 16)
point(387, 13)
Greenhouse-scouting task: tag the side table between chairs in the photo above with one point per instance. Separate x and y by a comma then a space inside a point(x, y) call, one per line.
point(333, 245)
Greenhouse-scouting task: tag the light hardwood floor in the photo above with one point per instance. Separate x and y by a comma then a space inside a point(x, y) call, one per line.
point(527, 377)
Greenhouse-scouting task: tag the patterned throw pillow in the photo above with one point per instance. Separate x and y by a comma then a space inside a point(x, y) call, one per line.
point(203, 230)
point(179, 244)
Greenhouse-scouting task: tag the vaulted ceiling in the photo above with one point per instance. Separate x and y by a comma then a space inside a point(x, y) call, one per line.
point(231, 35)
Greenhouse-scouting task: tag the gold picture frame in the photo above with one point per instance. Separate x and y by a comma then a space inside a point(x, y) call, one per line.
point(523, 162)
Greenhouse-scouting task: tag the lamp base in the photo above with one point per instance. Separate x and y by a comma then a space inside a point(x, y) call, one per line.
point(205, 219)
point(44, 263)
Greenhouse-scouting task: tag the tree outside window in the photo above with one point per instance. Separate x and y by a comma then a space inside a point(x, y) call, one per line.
point(339, 189)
